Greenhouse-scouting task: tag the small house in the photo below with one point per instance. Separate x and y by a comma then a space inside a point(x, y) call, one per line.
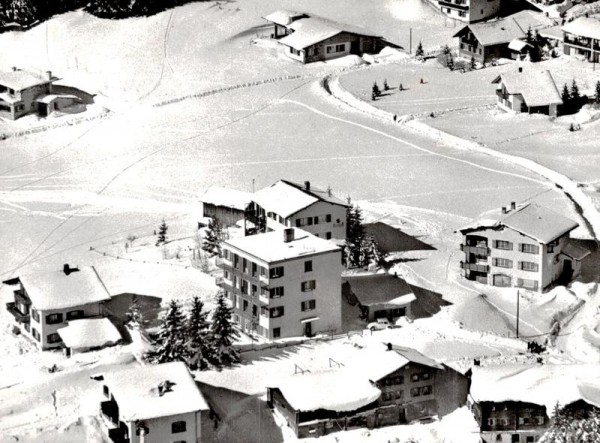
point(470, 11)
point(153, 403)
point(228, 205)
point(310, 38)
point(582, 38)
point(379, 296)
point(533, 92)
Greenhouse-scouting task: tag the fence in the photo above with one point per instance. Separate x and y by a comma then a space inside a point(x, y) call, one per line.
point(285, 344)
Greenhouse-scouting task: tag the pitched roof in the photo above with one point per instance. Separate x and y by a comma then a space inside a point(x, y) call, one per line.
point(136, 391)
point(270, 246)
point(537, 87)
point(575, 252)
point(19, 79)
point(518, 45)
point(286, 198)
point(284, 17)
point(533, 220)
point(311, 30)
point(584, 26)
point(89, 333)
point(377, 288)
point(57, 290)
point(231, 198)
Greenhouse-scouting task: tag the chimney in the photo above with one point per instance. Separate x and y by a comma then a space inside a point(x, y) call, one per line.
point(504, 209)
point(288, 235)
point(66, 269)
point(520, 68)
point(513, 206)
point(49, 74)
point(307, 185)
point(389, 346)
point(14, 68)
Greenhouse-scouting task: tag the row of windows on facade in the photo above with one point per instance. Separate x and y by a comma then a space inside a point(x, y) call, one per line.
point(460, 14)
point(249, 325)
point(418, 391)
point(399, 379)
point(274, 312)
point(314, 50)
point(250, 268)
point(50, 338)
point(7, 108)
point(522, 265)
point(539, 420)
point(524, 247)
point(251, 289)
point(52, 319)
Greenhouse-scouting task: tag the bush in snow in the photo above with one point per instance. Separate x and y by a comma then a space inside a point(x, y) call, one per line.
point(170, 345)
point(162, 233)
point(212, 240)
point(223, 334)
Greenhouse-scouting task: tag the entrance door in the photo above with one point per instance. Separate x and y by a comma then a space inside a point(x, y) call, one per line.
point(355, 47)
point(402, 415)
point(43, 109)
point(308, 329)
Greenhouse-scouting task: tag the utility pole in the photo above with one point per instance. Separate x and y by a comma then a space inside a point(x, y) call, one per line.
point(410, 41)
point(518, 297)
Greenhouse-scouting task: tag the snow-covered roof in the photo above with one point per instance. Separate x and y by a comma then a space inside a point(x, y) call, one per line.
point(544, 385)
point(89, 333)
point(311, 30)
point(334, 390)
point(533, 220)
point(48, 98)
point(575, 252)
point(584, 27)
point(271, 247)
point(137, 394)
point(377, 288)
point(536, 87)
point(57, 290)
point(230, 198)
point(6, 97)
point(517, 45)
point(286, 198)
point(20, 79)
point(378, 363)
point(284, 17)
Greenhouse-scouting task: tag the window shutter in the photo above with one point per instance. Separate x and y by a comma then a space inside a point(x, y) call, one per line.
point(495, 243)
point(495, 261)
point(510, 246)
point(536, 249)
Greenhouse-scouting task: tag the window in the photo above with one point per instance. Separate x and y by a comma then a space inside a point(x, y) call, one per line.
point(35, 334)
point(236, 261)
point(528, 266)
point(277, 312)
point(515, 438)
point(281, 220)
point(52, 319)
point(480, 51)
point(276, 272)
point(244, 286)
point(308, 305)
point(328, 235)
point(387, 396)
point(53, 338)
point(72, 315)
point(254, 290)
point(503, 262)
point(530, 249)
point(254, 269)
point(498, 437)
point(426, 390)
point(328, 218)
point(425, 376)
point(540, 420)
point(263, 271)
point(106, 391)
point(35, 315)
point(309, 221)
point(529, 439)
point(245, 304)
point(414, 377)
point(276, 332)
point(299, 222)
point(316, 220)
point(244, 266)
point(254, 310)
point(340, 48)
point(177, 427)
point(527, 284)
point(462, 13)
point(309, 285)
point(491, 421)
point(462, 46)
point(226, 254)
point(276, 292)
point(399, 394)
point(501, 244)
point(415, 392)
point(308, 266)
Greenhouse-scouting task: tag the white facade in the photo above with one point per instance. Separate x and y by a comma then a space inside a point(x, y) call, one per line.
point(470, 11)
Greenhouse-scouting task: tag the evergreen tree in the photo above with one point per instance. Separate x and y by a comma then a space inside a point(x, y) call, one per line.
point(355, 236)
point(162, 233)
point(446, 50)
point(223, 334)
point(376, 90)
point(597, 96)
point(419, 52)
point(197, 334)
point(386, 87)
point(170, 344)
point(373, 252)
point(575, 95)
point(134, 313)
point(566, 428)
point(212, 241)
point(566, 98)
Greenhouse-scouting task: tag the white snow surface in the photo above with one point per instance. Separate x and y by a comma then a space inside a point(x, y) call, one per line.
point(89, 333)
point(220, 196)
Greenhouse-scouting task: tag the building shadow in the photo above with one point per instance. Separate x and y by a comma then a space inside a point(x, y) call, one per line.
point(392, 239)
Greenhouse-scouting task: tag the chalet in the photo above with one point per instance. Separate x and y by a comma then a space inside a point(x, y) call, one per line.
point(153, 403)
point(228, 205)
point(514, 403)
point(285, 283)
point(489, 41)
point(311, 38)
point(45, 303)
point(470, 11)
point(380, 388)
point(533, 92)
point(524, 247)
point(23, 92)
point(379, 296)
point(582, 38)
point(289, 204)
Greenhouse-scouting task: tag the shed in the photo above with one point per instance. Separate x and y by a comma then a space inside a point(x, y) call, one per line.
point(89, 333)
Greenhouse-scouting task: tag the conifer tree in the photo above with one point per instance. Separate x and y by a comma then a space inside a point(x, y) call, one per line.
point(212, 241)
point(597, 95)
point(419, 52)
point(197, 334)
point(575, 95)
point(386, 87)
point(376, 91)
point(355, 236)
point(170, 344)
point(134, 313)
point(162, 233)
point(223, 334)
point(566, 98)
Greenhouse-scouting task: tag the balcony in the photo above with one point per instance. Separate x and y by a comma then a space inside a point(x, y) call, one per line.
point(18, 315)
point(477, 250)
point(449, 4)
point(475, 267)
point(264, 298)
point(264, 280)
point(338, 225)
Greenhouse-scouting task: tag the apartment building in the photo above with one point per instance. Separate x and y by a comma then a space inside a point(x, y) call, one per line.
point(152, 404)
point(582, 38)
point(470, 11)
point(283, 283)
point(525, 247)
point(46, 302)
point(288, 204)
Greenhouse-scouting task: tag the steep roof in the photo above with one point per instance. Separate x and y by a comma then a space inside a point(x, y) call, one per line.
point(89, 333)
point(20, 79)
point(286, 198)
point(284, 17)
point(57, 290)
point(230, 198)
point(584, 26)
point(311, 30)
point(378, 288)
point(536, 87)
point(136, 391)
point(270, 246)
point(533, 220)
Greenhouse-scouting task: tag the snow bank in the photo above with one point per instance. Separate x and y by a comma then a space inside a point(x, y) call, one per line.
point(341, 94)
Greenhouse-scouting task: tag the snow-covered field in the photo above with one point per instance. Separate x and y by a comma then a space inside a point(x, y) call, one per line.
point(69, 194)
